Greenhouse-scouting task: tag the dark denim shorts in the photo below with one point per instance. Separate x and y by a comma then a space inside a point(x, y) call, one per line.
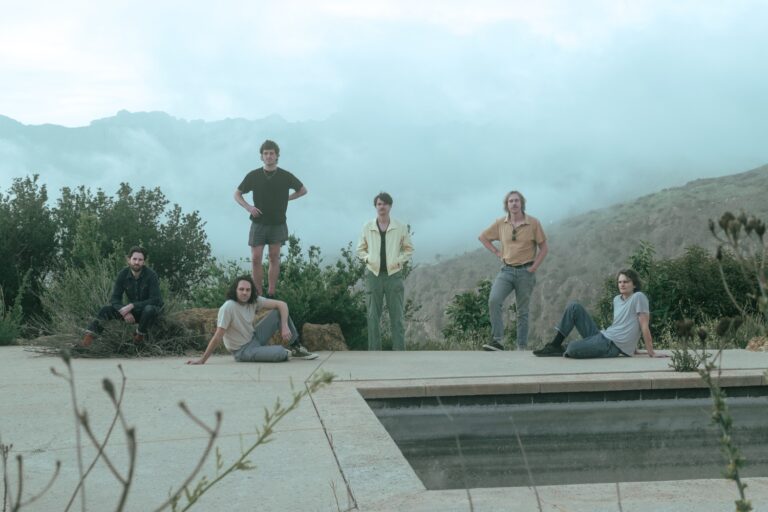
point(267, 234)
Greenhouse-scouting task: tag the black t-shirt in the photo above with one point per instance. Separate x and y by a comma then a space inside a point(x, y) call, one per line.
point(383, 252)
point(270, 193)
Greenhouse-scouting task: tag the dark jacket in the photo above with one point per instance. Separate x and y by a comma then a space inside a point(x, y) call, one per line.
point(141, 292)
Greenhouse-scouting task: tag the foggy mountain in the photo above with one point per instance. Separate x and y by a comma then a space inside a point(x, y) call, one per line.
point(448, 178)
point(587, 248)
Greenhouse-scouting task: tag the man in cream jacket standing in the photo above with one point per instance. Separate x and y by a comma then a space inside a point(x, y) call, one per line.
point(385, 247)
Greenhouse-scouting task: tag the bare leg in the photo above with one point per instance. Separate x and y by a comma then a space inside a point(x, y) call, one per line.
point(274, 267)
point(257, 254)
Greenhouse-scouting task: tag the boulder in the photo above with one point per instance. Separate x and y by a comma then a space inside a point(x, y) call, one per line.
point(199, 320)
point(322, 337)
point(758, 344)
point(313, 336)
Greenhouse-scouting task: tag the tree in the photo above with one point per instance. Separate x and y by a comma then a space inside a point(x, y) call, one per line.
point(97, 225)
point(28, 248)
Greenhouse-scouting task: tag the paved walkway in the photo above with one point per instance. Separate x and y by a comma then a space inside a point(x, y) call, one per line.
point(331, 453)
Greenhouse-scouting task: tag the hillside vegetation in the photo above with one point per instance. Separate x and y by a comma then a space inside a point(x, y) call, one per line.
point(585, 249)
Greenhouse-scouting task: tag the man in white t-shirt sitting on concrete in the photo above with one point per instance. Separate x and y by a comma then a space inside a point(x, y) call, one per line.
point(631, 318)
point(248, 342)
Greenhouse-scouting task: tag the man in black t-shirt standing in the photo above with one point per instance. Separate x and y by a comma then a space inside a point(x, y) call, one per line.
point(271, 187)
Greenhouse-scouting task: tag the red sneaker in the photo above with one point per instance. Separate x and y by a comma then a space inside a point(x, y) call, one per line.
point(87, 339)
point(138, 337)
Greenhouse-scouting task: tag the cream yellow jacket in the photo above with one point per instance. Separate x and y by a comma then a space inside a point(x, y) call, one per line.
point(399, 246)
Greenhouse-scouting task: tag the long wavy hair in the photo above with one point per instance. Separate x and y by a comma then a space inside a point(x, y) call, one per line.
point(232, 291)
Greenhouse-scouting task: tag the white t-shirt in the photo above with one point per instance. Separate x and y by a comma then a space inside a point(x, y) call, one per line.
point(237, 320)
point(625, 329)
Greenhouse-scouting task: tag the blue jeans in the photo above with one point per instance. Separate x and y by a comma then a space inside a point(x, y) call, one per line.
point(508, 280)
point(593, 344)
point(257, 350)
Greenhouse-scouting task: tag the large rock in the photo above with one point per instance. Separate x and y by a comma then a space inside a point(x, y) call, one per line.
point(758, 344)
point(200, 320)
point(313, 336)
point(323, 337)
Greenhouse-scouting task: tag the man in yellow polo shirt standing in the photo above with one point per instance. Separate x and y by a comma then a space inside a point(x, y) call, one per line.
point(523, 248)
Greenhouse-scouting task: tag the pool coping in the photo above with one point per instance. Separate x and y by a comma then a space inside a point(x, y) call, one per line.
point(378, 477)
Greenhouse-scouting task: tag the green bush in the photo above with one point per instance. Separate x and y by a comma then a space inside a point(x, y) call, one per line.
point(469, 322)
point(10, 321)
point(211, 291)
point(176, 242)
point(27, 243)
point(85, 226)
point(74, 296)
point(325, 294)
point(689, 286)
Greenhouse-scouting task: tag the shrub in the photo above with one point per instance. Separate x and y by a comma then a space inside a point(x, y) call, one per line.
point(176, 242)
point(75, 295)
point(27, 243)
point(469, 322)
point(689, 286)
point(10, 321)
point(325, 294)
point(211, 291)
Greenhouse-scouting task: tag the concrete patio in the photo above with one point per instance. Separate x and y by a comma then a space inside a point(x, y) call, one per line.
point(331, 453)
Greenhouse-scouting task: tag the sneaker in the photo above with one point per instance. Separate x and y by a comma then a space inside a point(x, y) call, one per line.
point(300, 352)
point(88, 338)
point(550, 350)
point(138, 337)
point(493, 346)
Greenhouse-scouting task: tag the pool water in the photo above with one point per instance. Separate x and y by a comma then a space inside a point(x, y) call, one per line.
point(470, 442)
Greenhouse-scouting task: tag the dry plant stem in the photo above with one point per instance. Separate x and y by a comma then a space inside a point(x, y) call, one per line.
point(19, 503)
point(729, 293)
point(722, 419)
point(82, 421)
point(213, 434)
point(461, 456)
point(271, 419)
point(103, 444)
point(20, 485)
point(4, 451)
point(130, 436)
point(78, 439)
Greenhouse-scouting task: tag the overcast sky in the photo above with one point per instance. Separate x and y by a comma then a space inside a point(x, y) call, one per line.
point(600, 100)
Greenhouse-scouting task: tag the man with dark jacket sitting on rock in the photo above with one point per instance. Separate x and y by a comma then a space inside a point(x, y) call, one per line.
point(247, 340)
point(142, 287)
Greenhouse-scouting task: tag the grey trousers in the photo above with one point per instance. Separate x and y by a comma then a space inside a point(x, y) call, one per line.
point(377, 289)
point(257, 350)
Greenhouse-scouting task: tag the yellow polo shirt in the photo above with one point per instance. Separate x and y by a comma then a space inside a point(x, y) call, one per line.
point(527, 238)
